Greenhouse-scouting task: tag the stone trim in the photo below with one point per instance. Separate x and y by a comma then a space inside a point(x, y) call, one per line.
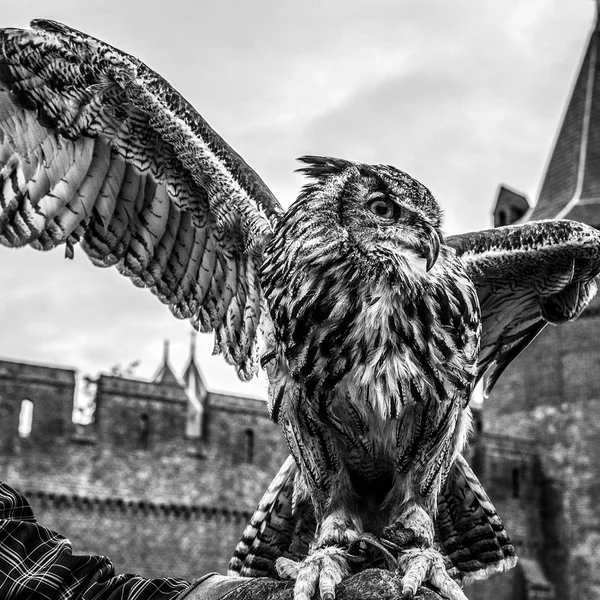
point(31, 373)
point(506, 441)
point(239, 411)
point(238, 404)
point(108, 385)
point(133, 507)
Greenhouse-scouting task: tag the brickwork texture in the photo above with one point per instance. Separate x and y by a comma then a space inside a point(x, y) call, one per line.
point(132, 485)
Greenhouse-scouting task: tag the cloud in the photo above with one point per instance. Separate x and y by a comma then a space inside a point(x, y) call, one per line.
point(462, 94)
point(458, 111)
point(74, 314)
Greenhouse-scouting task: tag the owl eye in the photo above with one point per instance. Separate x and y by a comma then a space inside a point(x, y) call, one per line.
point(382, 207)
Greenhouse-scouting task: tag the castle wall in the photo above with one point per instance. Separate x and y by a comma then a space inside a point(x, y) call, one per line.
point(132, 413)
point(561, 365)
point(50, 389)
point(117, 492)
point(166, 506)
point(232, 425)
point(511, 474)
point(149, 539)
point(551, 395)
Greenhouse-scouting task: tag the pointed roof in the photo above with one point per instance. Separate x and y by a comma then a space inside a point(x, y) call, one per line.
point(510, 207)
point(196, 393)
point(571, 187)
point(165, 375)
point(192, 377)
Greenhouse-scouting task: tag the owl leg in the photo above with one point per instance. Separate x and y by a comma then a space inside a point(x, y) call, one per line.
point(419, 562)
point(337, 527)
point(323, 477)
point(327, 563)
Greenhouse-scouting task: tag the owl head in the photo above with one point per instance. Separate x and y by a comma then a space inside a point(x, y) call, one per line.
point(387, 216)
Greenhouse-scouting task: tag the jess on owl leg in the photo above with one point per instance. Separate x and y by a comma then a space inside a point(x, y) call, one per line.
point(412, 534)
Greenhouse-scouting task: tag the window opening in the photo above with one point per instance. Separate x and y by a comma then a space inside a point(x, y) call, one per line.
point(25, 418)
point(516, 482)
point(144, 430)
point(249, 446)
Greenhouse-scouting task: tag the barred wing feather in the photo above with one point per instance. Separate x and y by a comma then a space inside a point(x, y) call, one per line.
point(526, 277)
point(280, 526)
point(97, 149)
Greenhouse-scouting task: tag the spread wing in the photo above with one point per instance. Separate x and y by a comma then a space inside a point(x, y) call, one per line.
point(526, 277)
point(97, 149)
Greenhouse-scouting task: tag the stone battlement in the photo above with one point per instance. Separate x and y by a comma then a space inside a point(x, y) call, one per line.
point(135, 388)
point(33, 373)
point(239, 404)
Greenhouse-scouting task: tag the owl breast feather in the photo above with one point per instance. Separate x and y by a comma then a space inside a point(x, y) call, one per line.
point(383, 339)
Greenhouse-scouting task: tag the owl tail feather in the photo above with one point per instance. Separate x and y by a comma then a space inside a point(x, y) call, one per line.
point(280, 526)
point(469, 532)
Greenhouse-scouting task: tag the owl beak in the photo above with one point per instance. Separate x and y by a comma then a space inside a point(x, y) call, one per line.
point(432, 247)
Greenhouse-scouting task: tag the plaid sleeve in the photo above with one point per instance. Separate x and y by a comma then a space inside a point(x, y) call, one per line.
point(38, 563)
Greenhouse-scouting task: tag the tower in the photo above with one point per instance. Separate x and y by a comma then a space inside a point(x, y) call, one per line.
point(511, 206)
point(132, 414)
point(165, 374)
point(48, 394)
point(197, 395)
point(551, 394)
point(571, 186)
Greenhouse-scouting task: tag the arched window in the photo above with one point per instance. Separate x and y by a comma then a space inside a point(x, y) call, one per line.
point(503, 217)
point(478, 425)
point(249, 446)
point(516, 482)
point(144, 430)
point(25, 418)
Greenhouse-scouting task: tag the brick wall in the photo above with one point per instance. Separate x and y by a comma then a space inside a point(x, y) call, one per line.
point(149, 539)
point(50, 389)
point(203, 504)
point(134, 414)
point(228, 426)
point(172, 506)
point(551, 395)
point(510, 471)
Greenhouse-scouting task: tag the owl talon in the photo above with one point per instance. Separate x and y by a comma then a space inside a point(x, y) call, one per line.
point(287, 568)
point(322, 570)
point(421, 565)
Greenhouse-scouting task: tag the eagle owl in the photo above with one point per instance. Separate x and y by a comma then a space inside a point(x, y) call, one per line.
point(372, 327)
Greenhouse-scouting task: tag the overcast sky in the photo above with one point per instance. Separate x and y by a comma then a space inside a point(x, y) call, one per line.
point(462, 94)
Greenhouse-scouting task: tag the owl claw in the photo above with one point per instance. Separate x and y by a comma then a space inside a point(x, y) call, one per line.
point(287, 568)
point(420, 565)
point(322, 570)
